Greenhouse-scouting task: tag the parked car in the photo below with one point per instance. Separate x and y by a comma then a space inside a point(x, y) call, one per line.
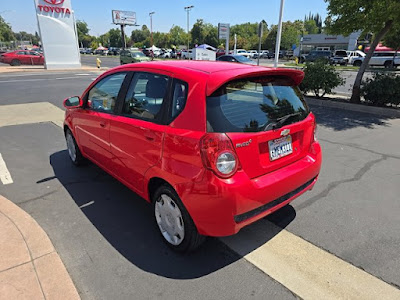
point(380, 59)
point(264, 54)
point(253, 53)
point(22, 57)
point(132, 56)
point(220, 52)
point(212, 146)
point(237, 59)
point(340, 57)
point(316, 54)
point(242, 52)
point(187, 55)
point(114, 51)
point(354, 55)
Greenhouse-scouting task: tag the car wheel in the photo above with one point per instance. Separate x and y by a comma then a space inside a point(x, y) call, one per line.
point(174, 222)
point(15, 62)
point(357, 63)
point(387, 64)
point(73, 150)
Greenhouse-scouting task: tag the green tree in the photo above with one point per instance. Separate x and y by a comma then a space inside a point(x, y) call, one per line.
point(311, 27)
point(115, 38)
point(317, 21)
point(178, 36)
point(84, 38)
point(378, 16)
point(204, 33)
point(6, 33)
point(392, 40)
point(290, 35)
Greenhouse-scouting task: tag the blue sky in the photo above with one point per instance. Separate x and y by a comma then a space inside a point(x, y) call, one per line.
point(21, 13)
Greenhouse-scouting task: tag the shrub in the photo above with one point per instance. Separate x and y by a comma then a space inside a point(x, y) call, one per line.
point(320, 78)
point(382, 89)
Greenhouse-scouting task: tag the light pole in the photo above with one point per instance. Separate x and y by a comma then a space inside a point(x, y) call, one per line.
point(151, 30)
point(278, 35)
point(188, 8)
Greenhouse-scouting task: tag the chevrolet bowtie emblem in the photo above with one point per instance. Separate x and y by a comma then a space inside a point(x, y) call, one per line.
point(285, 132)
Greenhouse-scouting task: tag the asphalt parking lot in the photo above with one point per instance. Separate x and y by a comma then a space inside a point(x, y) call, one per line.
point(106, 237)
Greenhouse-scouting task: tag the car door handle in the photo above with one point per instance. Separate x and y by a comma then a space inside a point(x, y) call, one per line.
point(150, 136)
point(102, 124)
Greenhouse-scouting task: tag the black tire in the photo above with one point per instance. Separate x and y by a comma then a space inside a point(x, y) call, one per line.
point(15, 62)
point(78, 158)
point(388, 64)
point(192, 239)
point(357, 63)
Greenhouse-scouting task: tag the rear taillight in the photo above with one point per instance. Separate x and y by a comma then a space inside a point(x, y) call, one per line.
point(315, 132)
point(218, 154)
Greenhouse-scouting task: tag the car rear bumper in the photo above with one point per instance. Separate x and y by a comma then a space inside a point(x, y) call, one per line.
point(221, 207)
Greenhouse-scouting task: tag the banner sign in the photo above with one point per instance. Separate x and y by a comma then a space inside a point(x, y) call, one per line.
point(56, 22)
point(124, 17)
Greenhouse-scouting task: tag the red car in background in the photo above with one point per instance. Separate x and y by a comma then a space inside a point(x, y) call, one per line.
point(213, 146)
point(22, 57)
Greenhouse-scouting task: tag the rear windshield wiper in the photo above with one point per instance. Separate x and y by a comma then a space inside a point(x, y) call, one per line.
point(278, 123)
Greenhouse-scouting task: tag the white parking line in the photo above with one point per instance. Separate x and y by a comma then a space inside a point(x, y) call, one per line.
point(305, 269)
point(5, 175)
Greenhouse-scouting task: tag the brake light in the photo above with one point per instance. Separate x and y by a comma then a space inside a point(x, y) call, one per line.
point(315, 132)
point(218, 154)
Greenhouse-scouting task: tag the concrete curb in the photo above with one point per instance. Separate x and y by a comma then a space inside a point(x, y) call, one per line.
point(24, 69)
point(382, 111)
point(30, 267)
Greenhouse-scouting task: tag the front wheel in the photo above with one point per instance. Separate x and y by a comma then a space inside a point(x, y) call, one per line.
point(174, 222)
point(73, 150)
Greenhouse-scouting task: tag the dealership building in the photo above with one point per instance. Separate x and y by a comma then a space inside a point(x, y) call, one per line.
point(329, 42)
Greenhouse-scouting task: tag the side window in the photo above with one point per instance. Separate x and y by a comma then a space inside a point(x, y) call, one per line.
point(103, 96)
point(21, 53)
point(179, 97)
point(145, 96)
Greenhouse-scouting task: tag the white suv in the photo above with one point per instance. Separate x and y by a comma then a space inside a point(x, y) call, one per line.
point(380, 58)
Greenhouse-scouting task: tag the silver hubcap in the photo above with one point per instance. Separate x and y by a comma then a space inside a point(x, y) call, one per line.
point(169, 220)
point(71, 147)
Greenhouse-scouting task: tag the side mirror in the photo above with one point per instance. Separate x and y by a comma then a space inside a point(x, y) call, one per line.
point(73, 102)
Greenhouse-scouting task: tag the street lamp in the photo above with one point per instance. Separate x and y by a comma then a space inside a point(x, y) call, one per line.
point(188, 8)
point(278, 35)
point(151, 30)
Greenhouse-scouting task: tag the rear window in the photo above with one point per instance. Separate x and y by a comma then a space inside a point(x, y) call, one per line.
point(249, 105)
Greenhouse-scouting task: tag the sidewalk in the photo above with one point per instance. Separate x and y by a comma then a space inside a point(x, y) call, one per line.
point(4, 68)
point(30, 267)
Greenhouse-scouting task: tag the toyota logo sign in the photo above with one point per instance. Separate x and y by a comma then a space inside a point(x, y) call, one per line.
point(54, 2)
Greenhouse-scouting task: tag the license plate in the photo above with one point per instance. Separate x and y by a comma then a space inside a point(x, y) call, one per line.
point(280, 147)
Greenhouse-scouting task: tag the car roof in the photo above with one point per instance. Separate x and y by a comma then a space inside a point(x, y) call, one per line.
point(218, 72)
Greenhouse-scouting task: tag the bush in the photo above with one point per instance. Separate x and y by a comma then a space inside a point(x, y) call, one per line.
point(382, 89)
point(320, 78)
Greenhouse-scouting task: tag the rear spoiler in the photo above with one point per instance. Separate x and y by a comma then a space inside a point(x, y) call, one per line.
point(217, 79)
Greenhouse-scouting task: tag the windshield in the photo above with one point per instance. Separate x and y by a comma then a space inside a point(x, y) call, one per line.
point(249, 105)
point(137, 54)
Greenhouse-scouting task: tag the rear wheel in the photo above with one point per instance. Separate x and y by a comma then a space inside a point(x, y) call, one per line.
point(388, 64)
point(357, 63)
point(73, 150)
point(15, 62)
point(174, 222)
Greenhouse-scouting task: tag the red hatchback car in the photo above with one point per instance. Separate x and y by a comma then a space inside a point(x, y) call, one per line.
point(214, 146)
point(22, 57)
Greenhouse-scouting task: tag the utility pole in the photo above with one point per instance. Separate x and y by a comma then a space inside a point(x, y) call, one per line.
point(151, 30)
point(278, 35)
point(188, 8)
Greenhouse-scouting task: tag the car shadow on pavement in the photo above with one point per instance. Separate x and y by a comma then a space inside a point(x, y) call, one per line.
point(340, 119)
point(127, 222)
